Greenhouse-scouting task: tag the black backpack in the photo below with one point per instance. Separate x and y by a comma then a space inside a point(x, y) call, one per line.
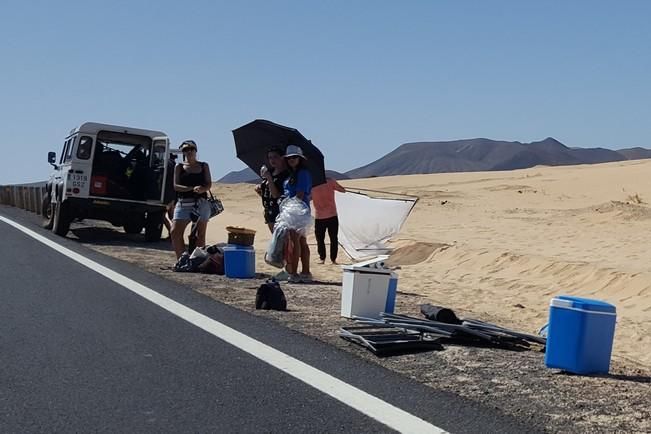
point(270, 296)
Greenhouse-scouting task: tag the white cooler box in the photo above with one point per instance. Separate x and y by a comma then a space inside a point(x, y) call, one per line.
point(368, 289)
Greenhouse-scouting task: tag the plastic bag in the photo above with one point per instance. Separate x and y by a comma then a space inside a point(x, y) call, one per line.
point(199, 252)
point(295, 215)
point(275, 255)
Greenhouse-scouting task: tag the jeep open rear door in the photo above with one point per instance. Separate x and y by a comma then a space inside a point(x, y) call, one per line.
point(159, 158)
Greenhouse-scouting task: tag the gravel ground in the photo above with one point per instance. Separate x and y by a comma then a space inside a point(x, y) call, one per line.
point(516, 383)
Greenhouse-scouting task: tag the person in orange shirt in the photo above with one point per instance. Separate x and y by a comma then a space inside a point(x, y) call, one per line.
point(325, 217)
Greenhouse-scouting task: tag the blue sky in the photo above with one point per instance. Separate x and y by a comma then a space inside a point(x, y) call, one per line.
point(357, 77)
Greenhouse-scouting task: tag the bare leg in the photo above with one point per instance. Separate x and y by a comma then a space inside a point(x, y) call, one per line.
point(292, 263)
point(202, 225)
point(305, 255)
point(167, 218)
point(178, 228)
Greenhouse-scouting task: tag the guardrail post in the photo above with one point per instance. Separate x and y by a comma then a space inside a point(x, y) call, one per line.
point(32, 199)
point(28, 199)
point(19, 197)
point(38, 193)
point(24, 198)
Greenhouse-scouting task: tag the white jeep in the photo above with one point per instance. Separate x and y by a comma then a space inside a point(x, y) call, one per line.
point(111, 173)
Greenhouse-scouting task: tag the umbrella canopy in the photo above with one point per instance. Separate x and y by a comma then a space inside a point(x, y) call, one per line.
point(254, 139)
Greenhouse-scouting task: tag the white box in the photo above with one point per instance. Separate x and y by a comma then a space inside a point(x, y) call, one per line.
point(365, 290)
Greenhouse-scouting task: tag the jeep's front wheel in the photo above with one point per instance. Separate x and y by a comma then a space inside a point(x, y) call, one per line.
point(153, 226)
point(46, 212)
point(62, 218)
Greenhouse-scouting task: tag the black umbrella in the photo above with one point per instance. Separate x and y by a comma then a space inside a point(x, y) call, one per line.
point(253, 140)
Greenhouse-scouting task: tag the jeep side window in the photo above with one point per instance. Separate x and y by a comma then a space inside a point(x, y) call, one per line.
point(64, 152)
point(84, 148)
point(70, 146)
point(158, 156)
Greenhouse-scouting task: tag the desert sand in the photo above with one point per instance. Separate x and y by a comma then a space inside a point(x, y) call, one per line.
point(502, 244)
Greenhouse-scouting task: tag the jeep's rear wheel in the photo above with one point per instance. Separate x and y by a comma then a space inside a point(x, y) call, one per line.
point(153, 226)
point(46, 212)
point(62, 218)
point(133, 227)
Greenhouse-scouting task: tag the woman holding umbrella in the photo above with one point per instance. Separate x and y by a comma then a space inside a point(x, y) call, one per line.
point(298, 184)
point(271, 187)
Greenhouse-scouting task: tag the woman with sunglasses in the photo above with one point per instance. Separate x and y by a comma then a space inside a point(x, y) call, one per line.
point(298, 184)
point(192, 181)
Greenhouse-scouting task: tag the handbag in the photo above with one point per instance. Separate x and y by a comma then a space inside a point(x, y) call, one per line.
point(216, 206)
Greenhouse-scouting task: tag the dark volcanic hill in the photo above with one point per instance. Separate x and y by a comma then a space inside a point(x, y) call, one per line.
point(249, 176)
point(635, 153)
point(484, 155)
point(472, 155)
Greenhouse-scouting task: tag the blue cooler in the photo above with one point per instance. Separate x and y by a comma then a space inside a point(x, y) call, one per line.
point(239, 261)
point(390, 306)
point(580, 335)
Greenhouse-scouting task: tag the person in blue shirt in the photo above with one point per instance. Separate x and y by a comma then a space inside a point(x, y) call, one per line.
point(298, 184)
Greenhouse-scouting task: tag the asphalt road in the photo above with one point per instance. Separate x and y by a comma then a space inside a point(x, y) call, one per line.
point(81, 353)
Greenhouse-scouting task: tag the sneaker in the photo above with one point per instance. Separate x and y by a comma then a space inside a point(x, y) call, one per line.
point(283, 276)
point(294, 278)
point(306, 277)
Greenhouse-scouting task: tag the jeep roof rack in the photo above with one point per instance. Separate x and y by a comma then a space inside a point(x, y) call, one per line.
point(94, 128)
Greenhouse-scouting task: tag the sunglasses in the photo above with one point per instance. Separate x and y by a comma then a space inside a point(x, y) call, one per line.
point(293, 157)
point(188, 150)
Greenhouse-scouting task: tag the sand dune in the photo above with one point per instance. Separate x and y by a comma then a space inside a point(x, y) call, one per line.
point(505, 243)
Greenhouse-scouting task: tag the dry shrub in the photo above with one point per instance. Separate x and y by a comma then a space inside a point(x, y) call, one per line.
point(635, 198)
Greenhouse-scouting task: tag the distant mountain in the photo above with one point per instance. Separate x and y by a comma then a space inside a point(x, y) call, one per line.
point(247, 175)
point(635, 153)
point(484, 155)
point(471, 155)
point(235, 177)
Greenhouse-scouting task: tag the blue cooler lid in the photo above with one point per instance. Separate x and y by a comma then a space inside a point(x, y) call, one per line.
point(582, 303)
point(236, 247)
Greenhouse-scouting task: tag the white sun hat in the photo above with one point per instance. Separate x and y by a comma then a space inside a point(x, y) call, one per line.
point(294, 151)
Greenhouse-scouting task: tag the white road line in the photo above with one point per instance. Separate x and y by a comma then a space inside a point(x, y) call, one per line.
point(361, 401)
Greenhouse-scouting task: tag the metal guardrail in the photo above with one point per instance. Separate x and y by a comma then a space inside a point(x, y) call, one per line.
point(27, 197)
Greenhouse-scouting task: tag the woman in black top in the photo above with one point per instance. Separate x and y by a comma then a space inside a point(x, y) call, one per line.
point(192, 181)
point(271, 187)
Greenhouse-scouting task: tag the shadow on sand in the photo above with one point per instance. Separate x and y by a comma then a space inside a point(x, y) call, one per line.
point(644, 379)
point(108, 236)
